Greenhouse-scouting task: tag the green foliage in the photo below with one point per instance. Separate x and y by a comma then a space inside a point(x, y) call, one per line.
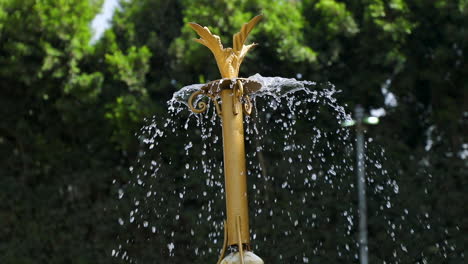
point(281, 19)
point(131, 68)
point(337, 19)
point(128, 109)
point(56, 159)
point(70, 111)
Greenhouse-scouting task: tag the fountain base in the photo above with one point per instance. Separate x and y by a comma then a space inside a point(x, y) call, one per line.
point(249, 258)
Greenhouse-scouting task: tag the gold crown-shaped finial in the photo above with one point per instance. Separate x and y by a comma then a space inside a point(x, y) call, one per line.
point(228, 59)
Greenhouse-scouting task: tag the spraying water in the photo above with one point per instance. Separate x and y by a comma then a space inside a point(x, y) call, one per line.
point(301, 179)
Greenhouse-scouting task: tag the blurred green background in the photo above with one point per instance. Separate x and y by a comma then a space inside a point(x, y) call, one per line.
point(70, 107)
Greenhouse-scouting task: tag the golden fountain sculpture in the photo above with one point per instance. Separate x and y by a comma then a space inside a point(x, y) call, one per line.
point(230, 97)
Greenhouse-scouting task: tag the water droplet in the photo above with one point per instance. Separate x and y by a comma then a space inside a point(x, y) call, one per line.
point(171, 247)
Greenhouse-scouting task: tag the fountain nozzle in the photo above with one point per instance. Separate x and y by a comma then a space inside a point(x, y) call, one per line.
point(240, 87)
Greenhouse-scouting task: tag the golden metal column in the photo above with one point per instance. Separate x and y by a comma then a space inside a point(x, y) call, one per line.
point(234, 171)
point(233, 93)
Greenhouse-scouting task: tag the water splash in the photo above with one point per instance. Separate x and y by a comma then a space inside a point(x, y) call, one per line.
point(300, 177)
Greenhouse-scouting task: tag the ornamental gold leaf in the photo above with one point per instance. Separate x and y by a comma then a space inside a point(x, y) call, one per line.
point(240, 37)
point(228, 59)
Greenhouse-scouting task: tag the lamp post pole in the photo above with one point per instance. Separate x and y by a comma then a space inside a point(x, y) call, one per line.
point(361, 184)
point(359, 122)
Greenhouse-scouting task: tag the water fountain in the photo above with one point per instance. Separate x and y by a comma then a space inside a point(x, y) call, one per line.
point(299, 165)
point(271, 105)
point(233, 93)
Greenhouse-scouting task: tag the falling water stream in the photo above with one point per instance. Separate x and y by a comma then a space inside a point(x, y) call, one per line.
point(301, 182)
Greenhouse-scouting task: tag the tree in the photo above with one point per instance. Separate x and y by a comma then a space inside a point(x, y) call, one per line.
point(410, 50)
point(56, 160)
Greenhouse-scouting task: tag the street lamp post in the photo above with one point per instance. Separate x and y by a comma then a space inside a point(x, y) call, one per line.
point(359, 122)
point(361, 185)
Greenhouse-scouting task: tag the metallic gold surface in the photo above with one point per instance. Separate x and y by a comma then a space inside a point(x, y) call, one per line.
point(233, 93)
point(223, 250)
point(239, 244)
point(250, 86)
point(201, 105)
point(228, 59)
point(235, 172)
point(241, 87)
